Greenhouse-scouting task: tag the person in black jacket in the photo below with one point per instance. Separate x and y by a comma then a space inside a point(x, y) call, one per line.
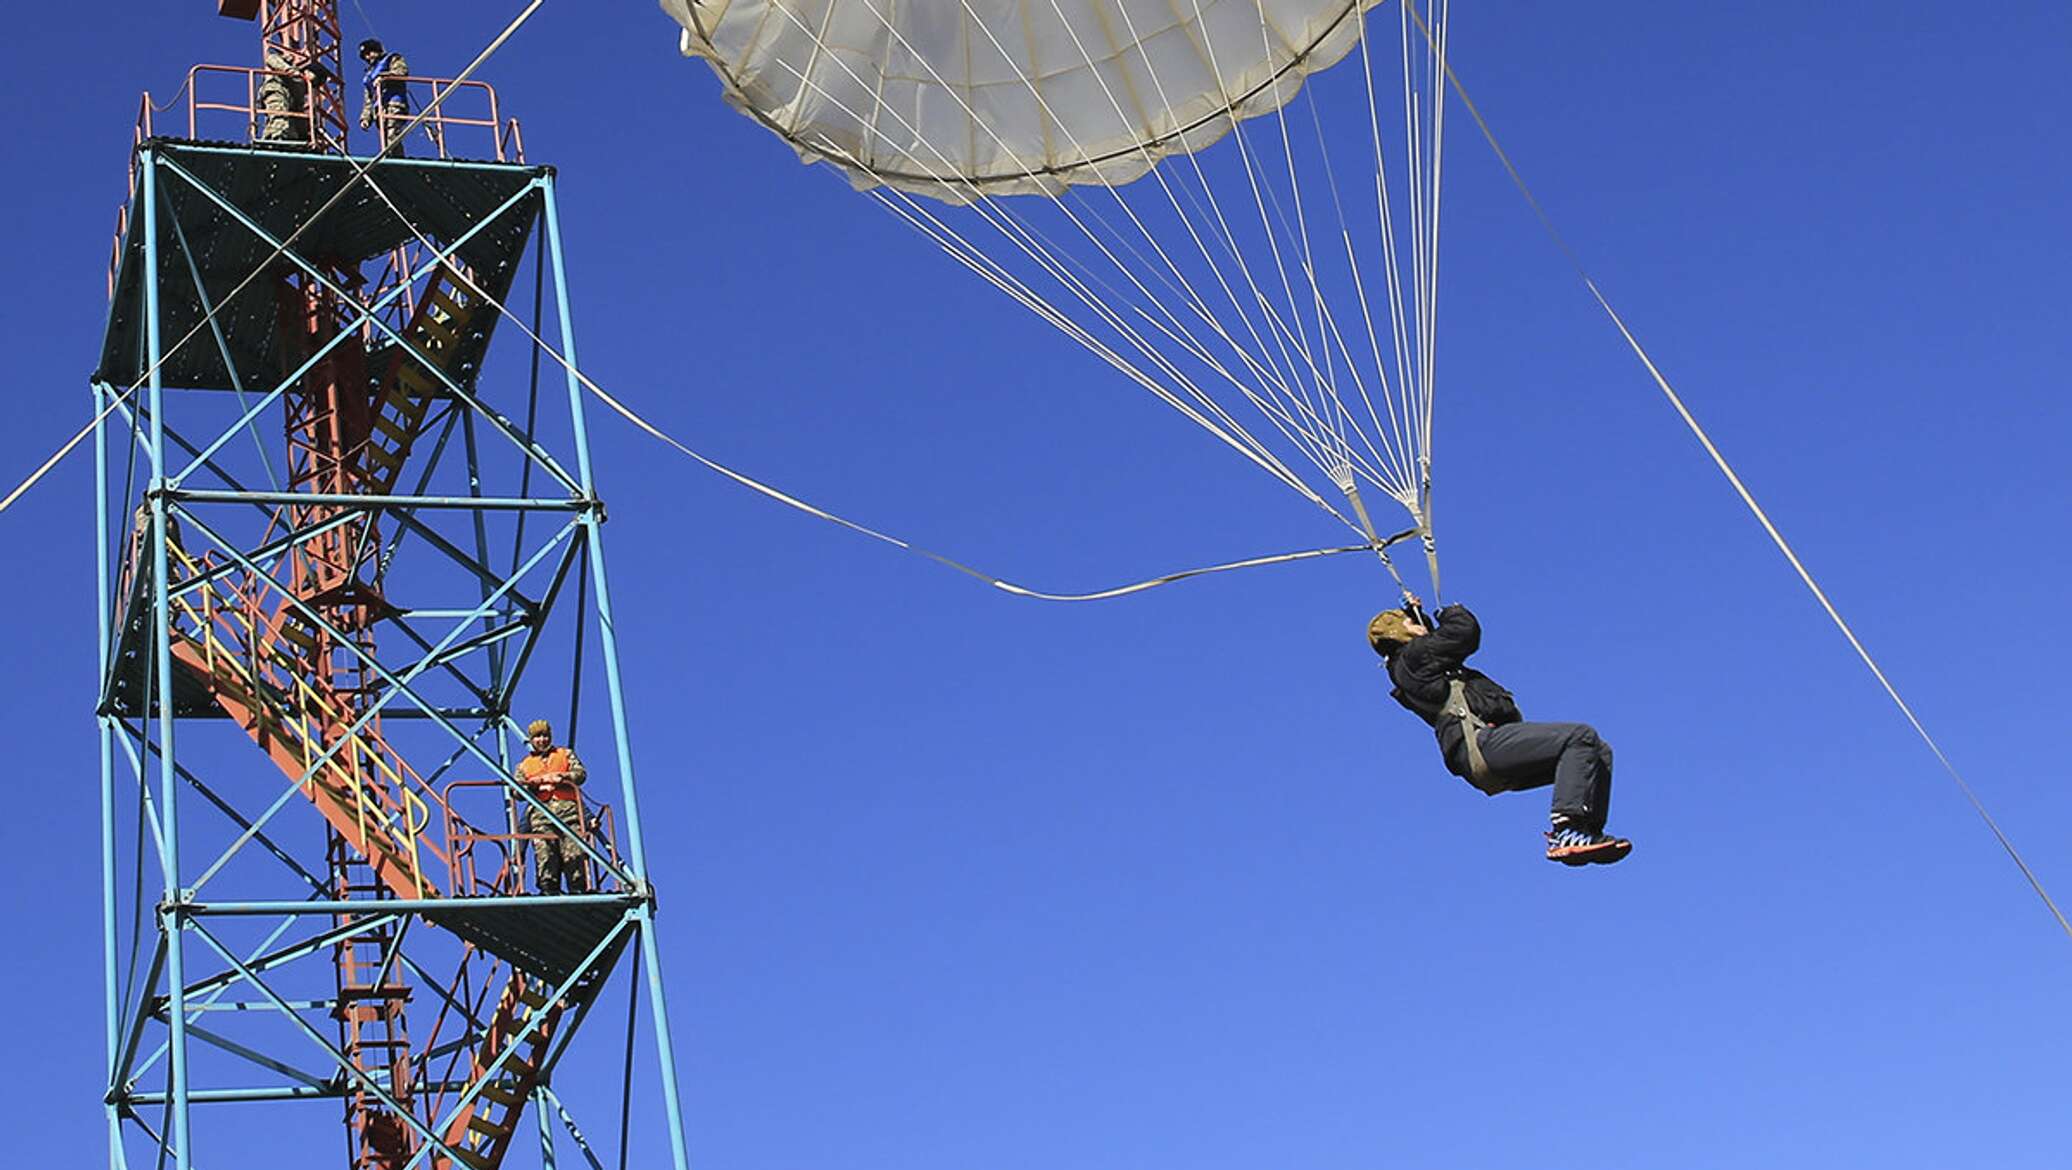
point(1484, 739)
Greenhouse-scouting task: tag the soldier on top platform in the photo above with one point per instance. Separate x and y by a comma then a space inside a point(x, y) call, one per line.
point(386, 92)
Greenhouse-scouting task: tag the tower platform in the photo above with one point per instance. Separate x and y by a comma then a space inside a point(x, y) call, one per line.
point(278, 192)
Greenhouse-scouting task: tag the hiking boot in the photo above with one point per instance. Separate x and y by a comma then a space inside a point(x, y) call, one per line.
point(552, 886)
point(1572, 845)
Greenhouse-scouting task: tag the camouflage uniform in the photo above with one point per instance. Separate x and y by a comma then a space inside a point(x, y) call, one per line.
point(556, 852)
point(557, 856)
point(282, 100)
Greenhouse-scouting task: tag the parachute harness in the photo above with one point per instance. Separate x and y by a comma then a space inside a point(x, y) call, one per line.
point(1471, 726)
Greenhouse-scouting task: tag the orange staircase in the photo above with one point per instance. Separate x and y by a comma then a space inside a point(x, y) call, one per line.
point(367, 794)
point(445, 329)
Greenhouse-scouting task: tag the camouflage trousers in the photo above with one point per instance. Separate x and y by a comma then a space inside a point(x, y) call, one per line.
point(284, 120)
point(556, 855)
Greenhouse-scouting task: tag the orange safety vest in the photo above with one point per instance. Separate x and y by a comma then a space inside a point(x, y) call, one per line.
point(557, 760)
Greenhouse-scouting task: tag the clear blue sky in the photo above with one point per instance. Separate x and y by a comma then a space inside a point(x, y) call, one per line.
point(955, 880)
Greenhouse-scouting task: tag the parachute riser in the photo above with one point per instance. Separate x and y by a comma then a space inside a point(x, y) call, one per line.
point(1379, 543)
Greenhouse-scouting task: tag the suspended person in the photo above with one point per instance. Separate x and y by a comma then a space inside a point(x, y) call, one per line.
point(1484, 739)
point(553, 774)
point(386, 91)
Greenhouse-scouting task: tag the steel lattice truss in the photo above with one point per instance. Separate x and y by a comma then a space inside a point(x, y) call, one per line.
point(340, 563)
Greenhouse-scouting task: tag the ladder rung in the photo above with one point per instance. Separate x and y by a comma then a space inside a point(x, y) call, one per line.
point(483, 1125)
point(414, 378)
point(440, 299)
point(399, 427)
point(475, 1158)
point(501, 1094)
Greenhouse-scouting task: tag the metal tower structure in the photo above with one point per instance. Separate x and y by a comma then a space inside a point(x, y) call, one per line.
point(343, 552)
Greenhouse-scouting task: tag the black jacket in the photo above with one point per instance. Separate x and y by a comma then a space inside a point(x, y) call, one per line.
point(1424, 669)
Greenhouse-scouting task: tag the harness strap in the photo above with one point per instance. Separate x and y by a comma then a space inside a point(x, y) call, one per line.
point(1471, 725)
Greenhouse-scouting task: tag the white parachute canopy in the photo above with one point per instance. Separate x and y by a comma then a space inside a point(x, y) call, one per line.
point(1237, 282)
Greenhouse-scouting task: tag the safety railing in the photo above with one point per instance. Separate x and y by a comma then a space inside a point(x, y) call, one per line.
point(503, 854)
point(287, 108)
point(229, 629)
point(461, 119)
point(278, 107)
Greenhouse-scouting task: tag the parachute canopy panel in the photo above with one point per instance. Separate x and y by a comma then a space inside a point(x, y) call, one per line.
point(960, 98)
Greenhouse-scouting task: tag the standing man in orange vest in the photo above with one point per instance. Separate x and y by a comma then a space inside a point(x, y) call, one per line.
point(553, 774)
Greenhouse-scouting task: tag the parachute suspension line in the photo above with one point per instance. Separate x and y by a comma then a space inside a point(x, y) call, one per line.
point(1306, 406)
point(1300, 232)
point(1277, 414)
point(1436, 65)
point(981, 203)
point(1338, 466)
point(1226, 236)
point(1756, 509)
point(1352, 365)
point(1005, 586)
point(1399, 334)
point(1285, 374)
point(976, 259)
point(1331, 420)
point(1196, 304)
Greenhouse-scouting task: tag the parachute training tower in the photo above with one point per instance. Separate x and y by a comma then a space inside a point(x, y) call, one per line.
point(339, 564)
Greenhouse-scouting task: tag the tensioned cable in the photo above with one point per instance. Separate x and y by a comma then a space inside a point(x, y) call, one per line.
point(1756, 509)
point(359, 174)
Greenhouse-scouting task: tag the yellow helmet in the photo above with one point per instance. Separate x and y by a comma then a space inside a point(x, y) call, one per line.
point(538, 727)
point(1388, 631)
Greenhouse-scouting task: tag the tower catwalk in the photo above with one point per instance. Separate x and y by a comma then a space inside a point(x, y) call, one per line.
point(343, 555)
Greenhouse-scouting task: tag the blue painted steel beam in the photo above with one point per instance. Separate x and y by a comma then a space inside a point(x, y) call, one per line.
point(404, 905)
point(493, 503)
point(344, 1062)
point(533, 1020)
point(104, 648)
point(366, 317)
point(401, 162)
point(441, 256)
point(608, 640)
point(399, 686)
point(169, 916)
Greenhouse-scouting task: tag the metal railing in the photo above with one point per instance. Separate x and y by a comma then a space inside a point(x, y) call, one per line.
point(505, 850)
point(273, 107)
point(464, 120)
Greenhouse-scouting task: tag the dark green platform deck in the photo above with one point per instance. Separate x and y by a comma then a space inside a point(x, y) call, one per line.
point(279, 191)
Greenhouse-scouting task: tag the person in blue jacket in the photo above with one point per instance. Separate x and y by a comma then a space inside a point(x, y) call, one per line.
point(1485, 740)
point(386, 95)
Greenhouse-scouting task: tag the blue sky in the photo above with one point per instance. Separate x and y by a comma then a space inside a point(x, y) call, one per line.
point(953, 879)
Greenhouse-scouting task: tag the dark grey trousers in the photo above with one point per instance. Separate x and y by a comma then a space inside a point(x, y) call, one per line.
point(1570, 756)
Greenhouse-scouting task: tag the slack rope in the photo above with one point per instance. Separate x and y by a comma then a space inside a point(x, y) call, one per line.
point(1755, 508)
point(999, 583)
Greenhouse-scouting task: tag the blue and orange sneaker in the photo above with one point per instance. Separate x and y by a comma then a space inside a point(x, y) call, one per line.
point(1573, 845)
